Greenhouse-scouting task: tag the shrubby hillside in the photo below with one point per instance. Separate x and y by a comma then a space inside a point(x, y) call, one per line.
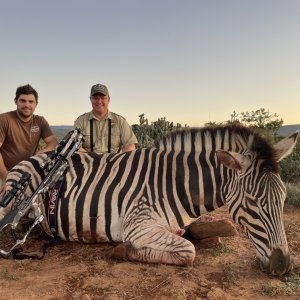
point(61, 130)
point(287, 130)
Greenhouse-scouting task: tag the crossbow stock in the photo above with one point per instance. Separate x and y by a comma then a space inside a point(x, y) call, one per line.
point(54, 166)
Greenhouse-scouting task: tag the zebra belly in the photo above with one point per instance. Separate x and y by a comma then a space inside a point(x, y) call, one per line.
point(87, 236)
point(87, 229)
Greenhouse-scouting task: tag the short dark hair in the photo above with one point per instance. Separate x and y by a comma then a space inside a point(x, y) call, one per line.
point(26, 90)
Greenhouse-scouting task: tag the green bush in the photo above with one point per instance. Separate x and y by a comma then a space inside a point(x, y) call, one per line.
point(290, 166)
point(41, 145)
point(293, 194)
point(147, 132)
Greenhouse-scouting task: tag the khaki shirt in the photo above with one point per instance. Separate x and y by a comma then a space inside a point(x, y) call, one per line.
point(121, 132)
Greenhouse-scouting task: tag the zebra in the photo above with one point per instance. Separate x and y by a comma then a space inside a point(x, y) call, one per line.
point(145, 198)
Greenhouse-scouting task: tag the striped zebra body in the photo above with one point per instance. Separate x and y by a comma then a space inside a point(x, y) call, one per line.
point(145, 197)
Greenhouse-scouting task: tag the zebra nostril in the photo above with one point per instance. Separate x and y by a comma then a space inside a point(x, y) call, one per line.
point(280, 263)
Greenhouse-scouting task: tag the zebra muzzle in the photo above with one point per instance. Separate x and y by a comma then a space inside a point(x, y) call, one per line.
point(280, 262)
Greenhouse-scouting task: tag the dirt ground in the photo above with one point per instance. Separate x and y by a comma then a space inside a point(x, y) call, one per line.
point(80, 271)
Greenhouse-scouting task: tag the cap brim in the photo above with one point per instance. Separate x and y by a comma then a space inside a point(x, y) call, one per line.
point(98, 92)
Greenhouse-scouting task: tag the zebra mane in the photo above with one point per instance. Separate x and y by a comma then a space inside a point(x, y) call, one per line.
point(226, 137)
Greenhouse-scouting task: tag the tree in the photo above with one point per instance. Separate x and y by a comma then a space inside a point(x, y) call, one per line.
point(147, 133)
point(262, 119)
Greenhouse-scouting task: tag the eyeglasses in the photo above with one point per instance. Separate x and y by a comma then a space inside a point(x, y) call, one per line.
point(99, 97)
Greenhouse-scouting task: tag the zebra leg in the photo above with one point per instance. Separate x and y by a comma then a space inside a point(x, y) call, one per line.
point(162, 247)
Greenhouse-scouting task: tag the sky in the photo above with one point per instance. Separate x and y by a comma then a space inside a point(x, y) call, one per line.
point(191, 61)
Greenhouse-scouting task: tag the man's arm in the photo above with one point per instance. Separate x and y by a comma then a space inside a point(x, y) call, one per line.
point(127, 148)
point(3, 174)
point(82, 150)
point(51, 143)
point(128, 137)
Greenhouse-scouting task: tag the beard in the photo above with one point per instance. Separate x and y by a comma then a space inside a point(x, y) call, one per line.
point(25, 112)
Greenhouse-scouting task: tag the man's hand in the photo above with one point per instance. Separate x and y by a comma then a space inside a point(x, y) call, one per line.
point(81, 150)
point(128, 148)
point(3, 188)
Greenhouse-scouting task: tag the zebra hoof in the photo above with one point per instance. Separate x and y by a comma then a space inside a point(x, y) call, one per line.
point(202, 230)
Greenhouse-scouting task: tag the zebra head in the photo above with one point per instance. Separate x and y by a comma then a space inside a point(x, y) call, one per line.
point(255, 194)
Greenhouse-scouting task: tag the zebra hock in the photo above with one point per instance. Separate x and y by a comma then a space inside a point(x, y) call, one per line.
point(145, 198)
point(55, 165)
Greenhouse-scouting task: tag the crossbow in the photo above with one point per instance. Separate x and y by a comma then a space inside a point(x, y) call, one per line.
point(54, 166)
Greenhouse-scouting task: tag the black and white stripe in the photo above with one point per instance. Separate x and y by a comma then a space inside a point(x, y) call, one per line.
point(144, 197)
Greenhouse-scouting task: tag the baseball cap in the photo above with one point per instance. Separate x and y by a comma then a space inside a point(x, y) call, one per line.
point(99, 88)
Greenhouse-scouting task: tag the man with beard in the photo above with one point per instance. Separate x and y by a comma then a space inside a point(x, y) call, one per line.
point(103, 130)
point(21, 131)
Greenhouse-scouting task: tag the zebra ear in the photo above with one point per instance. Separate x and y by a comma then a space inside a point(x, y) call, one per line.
point(233, 160)
point(285, 147)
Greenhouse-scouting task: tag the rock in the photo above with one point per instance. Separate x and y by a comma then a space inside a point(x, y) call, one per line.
point(203, 284)
point(204, 229)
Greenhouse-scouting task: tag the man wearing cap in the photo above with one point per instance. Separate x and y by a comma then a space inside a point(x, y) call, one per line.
point(103, 130)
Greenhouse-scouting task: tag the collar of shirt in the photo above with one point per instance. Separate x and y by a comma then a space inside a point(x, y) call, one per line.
point(108, 116)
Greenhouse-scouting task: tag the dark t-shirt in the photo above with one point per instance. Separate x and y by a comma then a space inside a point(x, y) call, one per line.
point(20, 139)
